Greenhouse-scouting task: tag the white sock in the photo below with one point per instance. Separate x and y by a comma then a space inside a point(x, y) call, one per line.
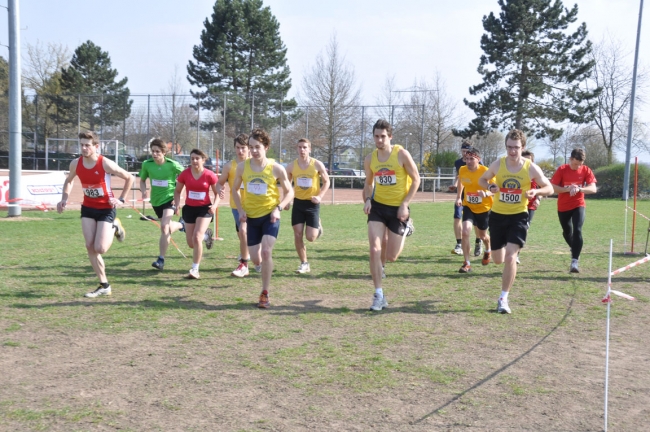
point(195, 266)
point(379, 292)
point(488, 251)
point(504, 295)
point(206, 237)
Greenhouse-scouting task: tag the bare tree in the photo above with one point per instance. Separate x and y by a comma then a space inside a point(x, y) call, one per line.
point(330, 90)
point(491, 146)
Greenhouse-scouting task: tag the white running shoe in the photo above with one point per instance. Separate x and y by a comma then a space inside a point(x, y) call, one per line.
point(207, 238)
point(120, 233)
point(303, 268)
point(241, 271)
point(410, 228)
point(574, 266)
point(518, 262)
point(478, 248)
point(193, 274)
point(100, 291)
point(320, 229)
point(502, 306)
point(383, 272)
point(378, 303)
point(258, 268)
point(458, 250)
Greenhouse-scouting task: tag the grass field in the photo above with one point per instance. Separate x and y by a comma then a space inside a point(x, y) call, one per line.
point(164, 353)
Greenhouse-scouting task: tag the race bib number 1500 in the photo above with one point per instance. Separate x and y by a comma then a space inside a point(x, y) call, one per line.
point(510, 196)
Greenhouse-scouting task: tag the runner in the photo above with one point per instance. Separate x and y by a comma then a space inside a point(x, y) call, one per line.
point(571, 182)
point(228, 175)
point(98, 222)
point(198, 211)
point(509, 218)
point(396, 179)
point(458, 211)
point(476, 205)
point(262, 207)
point(161, 172)
point(306, 173)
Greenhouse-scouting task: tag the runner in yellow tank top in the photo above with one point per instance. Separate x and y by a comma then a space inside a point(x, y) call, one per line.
point(228, 175)
point(476, 206)
point(395, 178)
point(261, 210)
point(306, 173)
point(509, 217)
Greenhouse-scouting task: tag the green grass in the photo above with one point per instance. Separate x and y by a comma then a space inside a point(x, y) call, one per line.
point(318, 335)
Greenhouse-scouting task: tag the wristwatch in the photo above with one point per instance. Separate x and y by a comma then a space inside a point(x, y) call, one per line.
point(121, 200)
point(279, 208)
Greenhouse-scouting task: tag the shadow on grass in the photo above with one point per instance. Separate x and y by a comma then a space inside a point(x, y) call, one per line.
point(505, 367)
point(26, 294)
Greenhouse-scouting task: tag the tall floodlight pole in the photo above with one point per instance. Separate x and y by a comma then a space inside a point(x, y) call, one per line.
point(15, 110)
point(626, 178)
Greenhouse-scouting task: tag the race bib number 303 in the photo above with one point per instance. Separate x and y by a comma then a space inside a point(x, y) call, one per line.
point(386, 178)
point(510, 196)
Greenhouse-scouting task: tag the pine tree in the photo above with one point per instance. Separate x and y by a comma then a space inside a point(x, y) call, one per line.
point(532, 68)
point(104, 101)
point(241, 53)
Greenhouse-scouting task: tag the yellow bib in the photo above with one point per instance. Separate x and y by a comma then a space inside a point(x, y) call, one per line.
point(511, 198)
point(262, 194)
point(472, 199)
point(231, 180)
point(391, 180)
point(306, 182)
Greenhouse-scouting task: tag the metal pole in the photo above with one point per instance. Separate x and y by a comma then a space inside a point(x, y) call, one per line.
point(307, 127)
point(363, 136)
point(124, 122)
point(223, 127)
point(78, 116)
point(198, 123)
point(422, 135)
point(15, 109)
point(626, 177)
point(148, 114)
point(281, 128)
point(35, 162)
point(174, 122)
point(252, 109)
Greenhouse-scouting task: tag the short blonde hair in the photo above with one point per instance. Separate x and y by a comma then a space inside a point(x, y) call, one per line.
point(517, 135)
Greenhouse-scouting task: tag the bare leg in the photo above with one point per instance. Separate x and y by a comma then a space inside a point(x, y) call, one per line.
point(507, 255)
point(243, 245)
point(167, 228)
point(376, 233)
point(99, 238)
point(298, 230)
point(201, 225)
point(466, 232)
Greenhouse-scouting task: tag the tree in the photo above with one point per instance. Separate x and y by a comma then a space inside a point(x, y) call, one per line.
point(241, 54)
point(103, 100)
point(4, 103)
point(613, 74)
point(532, 69)
point(330, 90)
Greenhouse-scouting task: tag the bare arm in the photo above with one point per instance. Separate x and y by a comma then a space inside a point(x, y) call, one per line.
point(488, 175)
point(367, 187)
point(326, 182)
point(223, 179)
point(213, 208)
point(235, 194)
point(459, 191)
point(281, 174)
point(545, 188)
point(177, 195)
point(112, 168)
point(67, 186)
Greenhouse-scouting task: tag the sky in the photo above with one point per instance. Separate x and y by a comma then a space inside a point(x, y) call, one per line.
point(149, 41)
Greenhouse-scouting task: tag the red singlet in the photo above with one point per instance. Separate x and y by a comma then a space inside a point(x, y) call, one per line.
point(96, 184)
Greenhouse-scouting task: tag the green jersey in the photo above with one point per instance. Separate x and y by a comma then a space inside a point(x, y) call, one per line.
point(162, 178)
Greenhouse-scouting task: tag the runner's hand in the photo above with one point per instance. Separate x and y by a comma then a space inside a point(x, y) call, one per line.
point(60, 206)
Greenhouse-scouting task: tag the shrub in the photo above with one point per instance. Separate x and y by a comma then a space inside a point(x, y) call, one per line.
point(444, 159)
point(610, 181)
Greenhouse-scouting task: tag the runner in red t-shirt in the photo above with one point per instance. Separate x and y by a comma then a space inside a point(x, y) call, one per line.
point(98, 221)
point(571, 182)
point(198, 210)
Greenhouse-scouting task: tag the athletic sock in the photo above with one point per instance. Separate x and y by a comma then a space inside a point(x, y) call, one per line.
point(488, 251)
point(478, 240)
point(195, 266)
point(458, 241)
point(265, 292)
point(379, 292)
point(206, 237)
point(104, 284)
point(504, 295)
point(244, 261)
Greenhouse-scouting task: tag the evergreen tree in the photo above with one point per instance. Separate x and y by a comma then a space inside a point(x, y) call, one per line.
point(104, 101)
point(532, 68)
point(241, 54)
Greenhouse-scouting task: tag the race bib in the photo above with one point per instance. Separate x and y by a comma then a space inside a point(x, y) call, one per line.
point(160, 183)
point(474, 198)
point(304, 182)
point(199, 196)
point(93, 191)
point(256, 188)
point(510, 196)
point(386, 178)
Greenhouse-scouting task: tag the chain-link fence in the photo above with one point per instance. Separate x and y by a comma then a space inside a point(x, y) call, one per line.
point(340, 136)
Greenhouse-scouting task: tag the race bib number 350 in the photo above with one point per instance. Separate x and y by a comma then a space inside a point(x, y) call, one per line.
point(386, 178)
point(510, 196)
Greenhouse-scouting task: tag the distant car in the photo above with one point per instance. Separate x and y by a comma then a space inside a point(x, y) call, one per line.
point(348, 172)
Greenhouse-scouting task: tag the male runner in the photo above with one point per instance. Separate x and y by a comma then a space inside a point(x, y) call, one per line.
point(458, 211)
point(162, 173)
point(306, 173)
point(571, 182)
point(509, 217)
point(228, 175)
point(262, 207)
point(396, 179)
point(98, 222)
point(476, 204)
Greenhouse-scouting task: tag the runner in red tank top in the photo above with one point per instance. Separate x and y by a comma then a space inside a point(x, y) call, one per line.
point(98, 221)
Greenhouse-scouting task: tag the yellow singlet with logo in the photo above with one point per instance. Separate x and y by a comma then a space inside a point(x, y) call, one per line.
point(231, 180)
point(511, 198)
point(306, 182)
point(392, 183)
point(472, 199)
point(262, 194)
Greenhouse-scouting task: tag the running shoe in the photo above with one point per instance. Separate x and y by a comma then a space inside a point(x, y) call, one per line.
point(487, 256)
point(258, 268)
point(465, 268)
point(320, 229)
point(383, 272)
point(182, 222)
point(410, 228)
point(303, 268)
point(158, 264)
point(458, 250)
point(208, 238)
point(100, 291)
point(478, 248)
point(574, 266)
point(120, 233)
point(518, 262)
point(264, 302)
point(241, 271)
point(193, 274)
point(502, 307)
point(378, 303)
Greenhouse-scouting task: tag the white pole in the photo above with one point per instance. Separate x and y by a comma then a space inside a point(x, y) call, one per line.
point(609, 303)
point(15, 109)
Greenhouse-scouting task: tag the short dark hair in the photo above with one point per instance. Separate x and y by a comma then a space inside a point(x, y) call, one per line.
point(262, 136)
point(466, 145)
point(241, 139)
point(157, 142)
point(89, 135)
point(199, 152)
point(528, 153)
point(578, 154)
point(473, 150)
point(517, 135)
point(383, 125)
point(304, 140)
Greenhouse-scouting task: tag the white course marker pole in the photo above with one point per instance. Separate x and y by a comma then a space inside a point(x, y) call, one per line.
point(609, 305)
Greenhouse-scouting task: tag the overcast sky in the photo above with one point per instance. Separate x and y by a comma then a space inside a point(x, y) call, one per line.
point(410, 39)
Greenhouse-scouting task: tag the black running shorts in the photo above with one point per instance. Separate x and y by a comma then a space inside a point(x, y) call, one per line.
point(506, 229)
point(305, 212)
point(388, 216)
point(100, 215)
point(480, 220)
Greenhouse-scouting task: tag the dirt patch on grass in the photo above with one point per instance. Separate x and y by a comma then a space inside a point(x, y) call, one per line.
point(22, 219)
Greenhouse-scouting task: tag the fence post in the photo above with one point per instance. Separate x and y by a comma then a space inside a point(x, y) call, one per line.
point(333, 187)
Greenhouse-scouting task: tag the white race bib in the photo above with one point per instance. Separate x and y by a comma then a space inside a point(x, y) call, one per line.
point(256, 188)
point(510, 196)
point(386, 178)
point(199, 196)
point(474, 198)
point(93, 192)
point(304, 182)
point(160, 183)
